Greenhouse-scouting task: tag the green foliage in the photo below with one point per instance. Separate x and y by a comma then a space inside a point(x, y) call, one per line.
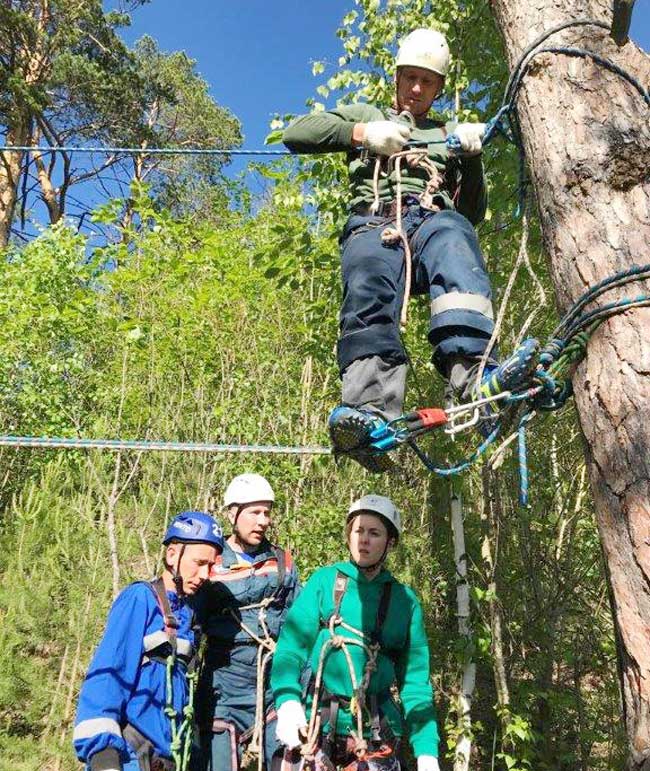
point(69, 79)
point(180, 112)
point(220, 325)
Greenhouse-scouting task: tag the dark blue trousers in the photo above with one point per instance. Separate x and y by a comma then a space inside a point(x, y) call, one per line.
point(446, 263)
point(233, 702)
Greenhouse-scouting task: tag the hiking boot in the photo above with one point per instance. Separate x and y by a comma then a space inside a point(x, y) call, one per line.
point(350, 431)
point(510, 375)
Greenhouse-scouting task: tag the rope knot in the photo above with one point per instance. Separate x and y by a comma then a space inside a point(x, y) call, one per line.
point(551, 351)
point(360, 745)
point(390, 235)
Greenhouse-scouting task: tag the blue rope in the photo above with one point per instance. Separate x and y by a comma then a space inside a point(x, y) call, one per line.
point(523, 465)
point(141, 150)
point(447, 471)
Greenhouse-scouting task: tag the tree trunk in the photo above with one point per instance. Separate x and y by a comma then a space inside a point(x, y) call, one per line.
point(10, 168)
point(48, 191)
point(587, 140)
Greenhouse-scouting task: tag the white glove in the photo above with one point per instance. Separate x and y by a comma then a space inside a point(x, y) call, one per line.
point(428, 763)
point(470, 135)
point(291, 720)
point(105, 760)
point(385, 137)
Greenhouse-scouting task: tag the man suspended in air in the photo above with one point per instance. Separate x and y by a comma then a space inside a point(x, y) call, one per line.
point(442, 195)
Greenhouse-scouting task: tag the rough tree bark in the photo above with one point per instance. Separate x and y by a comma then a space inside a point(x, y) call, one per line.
point(587, 140)
point(10, 170)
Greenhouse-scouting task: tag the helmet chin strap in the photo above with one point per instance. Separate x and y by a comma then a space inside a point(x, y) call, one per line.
point(235, 531)
point(176, 576)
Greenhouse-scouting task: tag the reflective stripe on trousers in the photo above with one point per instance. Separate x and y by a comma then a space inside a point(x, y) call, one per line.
point(447, 264)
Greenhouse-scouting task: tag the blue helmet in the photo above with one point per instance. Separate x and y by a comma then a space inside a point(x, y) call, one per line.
point(194, 527)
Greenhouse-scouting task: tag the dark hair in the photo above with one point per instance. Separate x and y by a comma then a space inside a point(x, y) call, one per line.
point(391, 530)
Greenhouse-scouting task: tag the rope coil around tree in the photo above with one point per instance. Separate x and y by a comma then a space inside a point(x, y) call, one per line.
point(547, 390)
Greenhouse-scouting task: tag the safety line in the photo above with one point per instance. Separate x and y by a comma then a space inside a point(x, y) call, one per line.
point(140, 150)
point(58, 442)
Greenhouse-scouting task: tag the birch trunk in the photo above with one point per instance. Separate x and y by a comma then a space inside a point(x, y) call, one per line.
point(463, 749)
point(587, 140)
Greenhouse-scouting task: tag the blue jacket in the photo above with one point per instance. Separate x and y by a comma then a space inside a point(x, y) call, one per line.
point(235, 584)
point(122, 685)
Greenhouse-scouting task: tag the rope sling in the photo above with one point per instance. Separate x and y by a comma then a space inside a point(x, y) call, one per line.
point(371, 646)
point(266, 645)
point(265, 650)
point(415, 157)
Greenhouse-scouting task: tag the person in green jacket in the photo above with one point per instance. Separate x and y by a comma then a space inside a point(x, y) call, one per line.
point(361, 632)
point(411, 229)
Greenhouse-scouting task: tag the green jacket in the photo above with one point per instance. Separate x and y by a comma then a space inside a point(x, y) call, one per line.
point(403, 659)
point(463, 188)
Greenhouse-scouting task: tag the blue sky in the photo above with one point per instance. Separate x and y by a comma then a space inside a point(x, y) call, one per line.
point(256, 54)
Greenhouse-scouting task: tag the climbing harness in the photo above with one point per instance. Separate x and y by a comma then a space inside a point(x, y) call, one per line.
point(165, 648)
point(416, 156)
point(357, 704)
point(265, 649)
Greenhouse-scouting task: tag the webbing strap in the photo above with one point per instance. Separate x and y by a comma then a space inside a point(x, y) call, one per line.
point(281, 559)
point(340, 585)
point(375, 719)
point(140, 745)
point(382, 609)
point(171, 622)
point(339, 589)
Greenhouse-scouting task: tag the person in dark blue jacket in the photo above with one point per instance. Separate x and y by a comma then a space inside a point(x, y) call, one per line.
point(134, 711)
point(242, 610)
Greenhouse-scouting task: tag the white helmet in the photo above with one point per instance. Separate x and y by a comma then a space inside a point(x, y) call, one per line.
point(247, 488)
point(425, 48)
point(377, 504)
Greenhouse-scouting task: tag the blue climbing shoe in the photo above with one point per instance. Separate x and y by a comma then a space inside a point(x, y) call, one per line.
point(350, 431)
point(511, 373)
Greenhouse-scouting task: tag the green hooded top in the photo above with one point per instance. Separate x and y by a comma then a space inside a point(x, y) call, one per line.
point(403, 659)
point(463, 187)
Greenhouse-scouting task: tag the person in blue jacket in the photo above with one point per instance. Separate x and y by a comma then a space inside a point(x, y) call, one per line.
point(128, 716)
point(252, 585)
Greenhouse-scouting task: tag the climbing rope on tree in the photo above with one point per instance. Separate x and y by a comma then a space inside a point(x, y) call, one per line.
point(547, 389)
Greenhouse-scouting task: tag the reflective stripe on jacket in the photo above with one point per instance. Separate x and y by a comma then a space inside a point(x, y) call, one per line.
point(235, 584)
point(123, 685)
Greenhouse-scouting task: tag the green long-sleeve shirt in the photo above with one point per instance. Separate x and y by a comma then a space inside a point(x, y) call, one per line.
point(403, 659)
point(463, 188)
